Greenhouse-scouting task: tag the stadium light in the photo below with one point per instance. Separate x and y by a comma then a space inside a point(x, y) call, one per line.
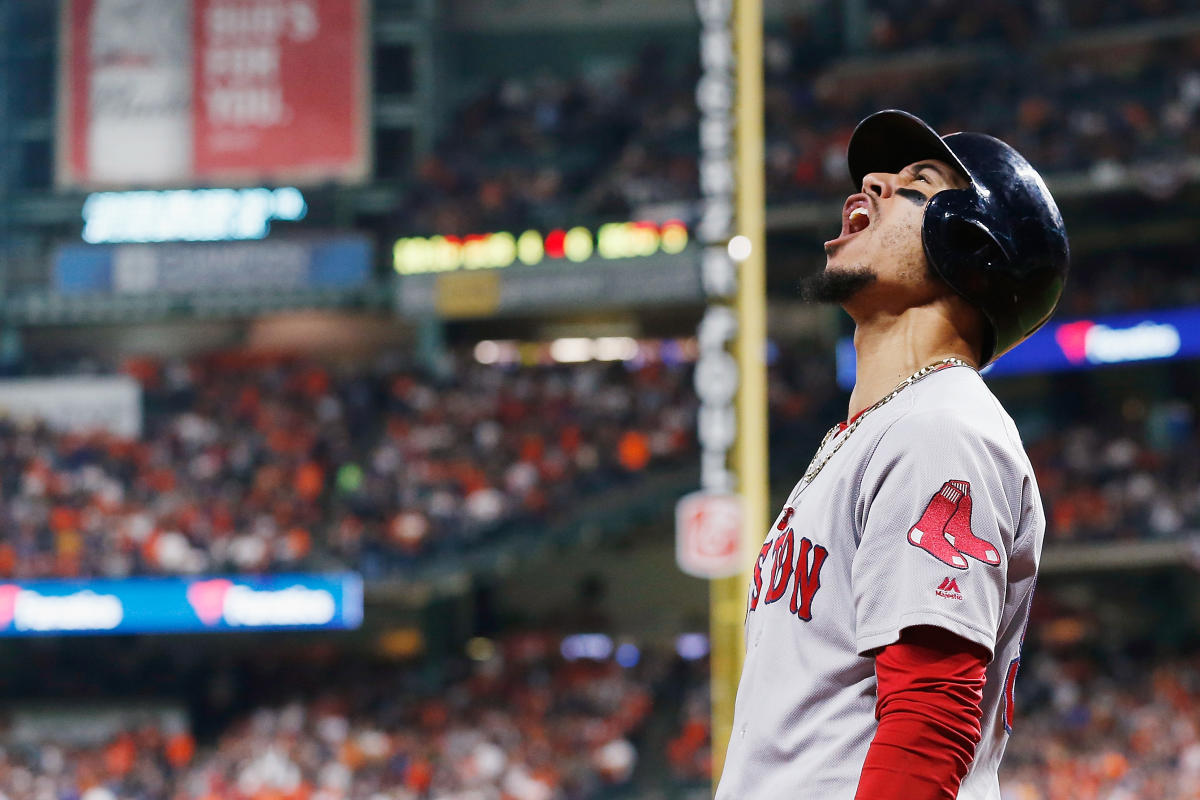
point(571, 350)
point(740, 248)
point(591, 646)
point(487, 352)
point(691, 646)
point(615, 348)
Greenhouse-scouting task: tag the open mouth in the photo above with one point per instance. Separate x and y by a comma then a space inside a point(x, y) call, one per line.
point(856, 218)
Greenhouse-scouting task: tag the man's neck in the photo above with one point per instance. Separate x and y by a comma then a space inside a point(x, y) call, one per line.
point(890, 348)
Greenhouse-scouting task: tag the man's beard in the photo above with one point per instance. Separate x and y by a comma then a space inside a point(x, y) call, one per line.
point(835, 285)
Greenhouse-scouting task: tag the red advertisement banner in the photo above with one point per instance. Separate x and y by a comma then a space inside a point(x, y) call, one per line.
point(185, 92)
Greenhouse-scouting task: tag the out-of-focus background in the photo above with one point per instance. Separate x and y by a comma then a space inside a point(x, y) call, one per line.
point(348, 349)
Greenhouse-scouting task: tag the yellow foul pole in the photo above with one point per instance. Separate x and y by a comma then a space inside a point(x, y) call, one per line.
point(727, 604)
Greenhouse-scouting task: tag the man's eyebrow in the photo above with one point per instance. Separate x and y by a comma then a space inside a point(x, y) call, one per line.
point(942, 172)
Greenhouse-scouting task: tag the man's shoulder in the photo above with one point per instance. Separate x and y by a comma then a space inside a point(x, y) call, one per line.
point(953, 424)
point(957, 404)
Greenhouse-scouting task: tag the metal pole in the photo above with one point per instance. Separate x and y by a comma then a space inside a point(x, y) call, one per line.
point(727, 598)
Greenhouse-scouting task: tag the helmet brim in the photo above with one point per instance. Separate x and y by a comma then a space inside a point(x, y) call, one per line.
point(888, 141)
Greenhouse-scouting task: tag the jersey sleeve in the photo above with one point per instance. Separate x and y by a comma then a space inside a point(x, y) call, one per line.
point(936, 515)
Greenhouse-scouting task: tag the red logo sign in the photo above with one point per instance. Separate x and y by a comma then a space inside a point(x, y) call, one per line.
point(708, 534)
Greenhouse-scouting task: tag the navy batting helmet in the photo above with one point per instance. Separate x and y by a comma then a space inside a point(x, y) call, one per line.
point(1000, 243)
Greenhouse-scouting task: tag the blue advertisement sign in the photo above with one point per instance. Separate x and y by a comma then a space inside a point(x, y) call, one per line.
point(1084, 344)
point(336, 262)
point(181, 605)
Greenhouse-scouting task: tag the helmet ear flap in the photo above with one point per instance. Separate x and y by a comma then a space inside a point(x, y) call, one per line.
point(960, 247)
point(973, 242)
point(966, 254)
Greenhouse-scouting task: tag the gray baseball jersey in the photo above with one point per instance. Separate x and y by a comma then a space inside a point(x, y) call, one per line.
point(927, 513)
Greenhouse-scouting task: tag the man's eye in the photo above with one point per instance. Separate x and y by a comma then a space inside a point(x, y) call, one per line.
point(921, 177)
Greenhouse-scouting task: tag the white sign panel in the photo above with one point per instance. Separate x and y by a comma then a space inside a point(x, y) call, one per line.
point(76, 405)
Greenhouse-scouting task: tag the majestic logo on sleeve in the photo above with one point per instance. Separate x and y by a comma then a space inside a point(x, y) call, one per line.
point(948, 589)
point(944, 530)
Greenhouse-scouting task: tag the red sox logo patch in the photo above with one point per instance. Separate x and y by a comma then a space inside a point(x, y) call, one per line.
point(944, 530)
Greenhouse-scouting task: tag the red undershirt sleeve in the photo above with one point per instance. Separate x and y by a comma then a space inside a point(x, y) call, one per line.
point(930, 691)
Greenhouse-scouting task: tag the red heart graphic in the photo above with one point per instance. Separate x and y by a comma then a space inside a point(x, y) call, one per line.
point(8, 603)
point(1072, 338)
point(207, 599)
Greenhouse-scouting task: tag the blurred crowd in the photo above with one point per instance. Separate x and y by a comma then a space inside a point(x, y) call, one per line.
point(550, 149)
point(532, 152)
point(898, 24)
point(257, 464)
point(689, 752)
point(1100, 283)
point(895, 25)
point(1089, 732)
point(1085, 729)
point(250, 465)
point(1133, 477)
point(1092, 111)
point(253, 464)
point(521, 724)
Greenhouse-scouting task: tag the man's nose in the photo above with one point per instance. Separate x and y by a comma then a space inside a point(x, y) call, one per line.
point(880, 184)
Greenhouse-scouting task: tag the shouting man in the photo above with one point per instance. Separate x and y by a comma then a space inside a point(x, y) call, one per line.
point(888, 605)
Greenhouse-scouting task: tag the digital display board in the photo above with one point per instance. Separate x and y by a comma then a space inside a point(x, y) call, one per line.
point(1083, 344)
point(417, 255)
point(181, 605)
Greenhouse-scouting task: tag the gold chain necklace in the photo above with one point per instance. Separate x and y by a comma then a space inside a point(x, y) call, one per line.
point(814, 467)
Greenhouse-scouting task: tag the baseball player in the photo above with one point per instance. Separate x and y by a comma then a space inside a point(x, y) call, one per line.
point(888, 603)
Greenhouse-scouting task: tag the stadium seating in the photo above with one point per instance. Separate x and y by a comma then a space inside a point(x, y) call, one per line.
point(535, 727)
point(1128, 733)
point(593, 149)
point(523, 722)
point(251, 465)
point(282, 463)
